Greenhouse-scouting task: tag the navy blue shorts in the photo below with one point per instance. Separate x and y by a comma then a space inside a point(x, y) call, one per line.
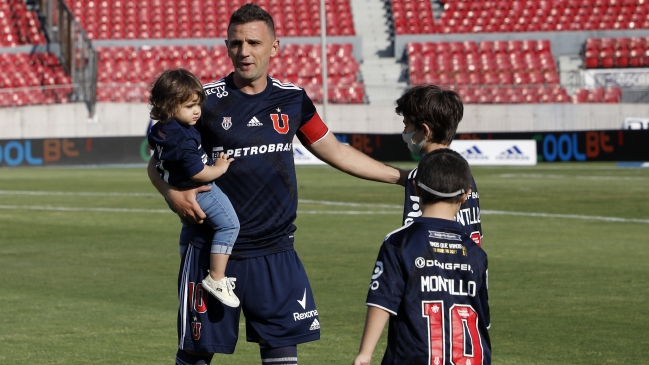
point(275, 295)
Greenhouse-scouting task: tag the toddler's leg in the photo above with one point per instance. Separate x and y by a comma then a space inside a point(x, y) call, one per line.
point(222, 217)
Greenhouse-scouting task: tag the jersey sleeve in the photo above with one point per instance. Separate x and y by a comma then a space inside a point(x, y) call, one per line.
point(388, 282)
point(313, 131)
point(312, 128)
point(191, 156)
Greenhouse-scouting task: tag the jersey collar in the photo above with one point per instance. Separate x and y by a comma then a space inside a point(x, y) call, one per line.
point(229, 82)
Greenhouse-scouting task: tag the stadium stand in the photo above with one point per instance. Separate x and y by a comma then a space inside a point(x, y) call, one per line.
point(506, 16)
point(144, 19)
point(124, 72)
point(18, 26)
point(616, 52)
point(489, 72)
point(30, 79)
point(598, 95)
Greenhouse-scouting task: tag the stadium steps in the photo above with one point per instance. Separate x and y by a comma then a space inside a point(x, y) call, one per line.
point(380, 69)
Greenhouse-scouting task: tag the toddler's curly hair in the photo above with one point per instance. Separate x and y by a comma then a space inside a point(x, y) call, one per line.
point(170, 90)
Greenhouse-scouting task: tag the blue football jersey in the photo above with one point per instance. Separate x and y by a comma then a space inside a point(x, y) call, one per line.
point(468, 216)
point(177, 147)
point(432, 278)
point(257, 131)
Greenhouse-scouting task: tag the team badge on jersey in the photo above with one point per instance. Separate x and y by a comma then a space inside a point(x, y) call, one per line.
point(283, 127)
point(227, 123)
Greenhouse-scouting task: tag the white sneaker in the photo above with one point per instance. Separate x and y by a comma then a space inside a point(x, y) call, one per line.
point(222, 290)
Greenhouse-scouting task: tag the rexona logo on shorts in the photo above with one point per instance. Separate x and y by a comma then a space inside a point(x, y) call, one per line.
point(304, 315)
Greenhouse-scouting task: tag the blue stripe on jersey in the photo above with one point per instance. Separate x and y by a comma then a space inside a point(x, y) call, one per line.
point(257, 131)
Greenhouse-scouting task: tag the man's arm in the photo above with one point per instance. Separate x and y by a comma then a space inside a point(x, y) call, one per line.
point(183, 201)
point(349, 160)
point(374, 324)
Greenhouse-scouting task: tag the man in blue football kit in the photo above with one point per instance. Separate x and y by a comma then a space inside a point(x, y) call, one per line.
point(254, 119)
point(430, 279)
point(431, 116)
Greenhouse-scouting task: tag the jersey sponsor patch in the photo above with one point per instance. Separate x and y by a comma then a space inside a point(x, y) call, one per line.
point(444, 236)
point(219, 91)
point(475, 236)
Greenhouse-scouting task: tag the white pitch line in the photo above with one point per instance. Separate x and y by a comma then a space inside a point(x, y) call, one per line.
point(569, 216)
point(332, 212)
point(347, 204)
point(544, 176)
point(70, 193)
point(76, 209)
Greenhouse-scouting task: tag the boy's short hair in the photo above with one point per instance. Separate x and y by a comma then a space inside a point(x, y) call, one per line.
point(170, 90)
point(441, 110)
point(252, 13)
point(443, 171)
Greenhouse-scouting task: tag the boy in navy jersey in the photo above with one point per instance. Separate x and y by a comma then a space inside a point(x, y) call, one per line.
point(430, 279)
point(176, 98)
point(430, 117)
point(254, 118)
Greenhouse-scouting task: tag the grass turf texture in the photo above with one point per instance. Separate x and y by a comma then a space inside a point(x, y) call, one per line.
point(99, 287)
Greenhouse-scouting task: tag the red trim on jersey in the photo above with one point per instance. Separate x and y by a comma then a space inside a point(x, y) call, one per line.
point(312, 131)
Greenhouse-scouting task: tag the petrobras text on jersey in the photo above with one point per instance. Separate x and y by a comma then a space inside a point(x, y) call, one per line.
point(436, 283)
point(497, 152)
point(264, 148)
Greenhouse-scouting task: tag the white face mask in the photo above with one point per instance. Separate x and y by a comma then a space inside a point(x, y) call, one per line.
point(413, 147)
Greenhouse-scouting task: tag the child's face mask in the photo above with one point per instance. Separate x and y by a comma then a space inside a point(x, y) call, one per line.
point(413, 147)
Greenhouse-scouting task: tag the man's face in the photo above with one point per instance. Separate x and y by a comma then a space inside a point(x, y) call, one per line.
point(250, 47)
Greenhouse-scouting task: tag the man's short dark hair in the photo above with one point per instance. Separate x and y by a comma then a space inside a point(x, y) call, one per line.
point(441, 110)
point(445, 171)
point(252, 13)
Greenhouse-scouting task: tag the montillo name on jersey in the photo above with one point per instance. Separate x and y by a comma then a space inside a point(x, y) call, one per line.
point(468, 216)
point(436, 283)
point(257, 150)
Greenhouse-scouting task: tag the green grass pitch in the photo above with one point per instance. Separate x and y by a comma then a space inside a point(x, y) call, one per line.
point(89, 260)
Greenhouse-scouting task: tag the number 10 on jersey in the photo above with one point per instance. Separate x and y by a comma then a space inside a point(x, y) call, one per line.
point(465, 341)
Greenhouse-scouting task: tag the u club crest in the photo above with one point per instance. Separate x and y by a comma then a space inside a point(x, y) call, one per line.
point(227, 123)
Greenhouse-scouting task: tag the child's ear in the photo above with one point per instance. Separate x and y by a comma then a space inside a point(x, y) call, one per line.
point(465, 196)
point(428, 133)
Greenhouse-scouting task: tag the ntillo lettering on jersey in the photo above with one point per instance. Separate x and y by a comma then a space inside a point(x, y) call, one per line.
point(437, 283)
point(468, 216)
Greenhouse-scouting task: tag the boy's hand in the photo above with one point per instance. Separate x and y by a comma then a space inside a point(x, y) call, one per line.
point(223, 162)
point(362, 360)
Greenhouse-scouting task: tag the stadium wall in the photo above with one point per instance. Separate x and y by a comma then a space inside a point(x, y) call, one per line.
point(131, 119)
